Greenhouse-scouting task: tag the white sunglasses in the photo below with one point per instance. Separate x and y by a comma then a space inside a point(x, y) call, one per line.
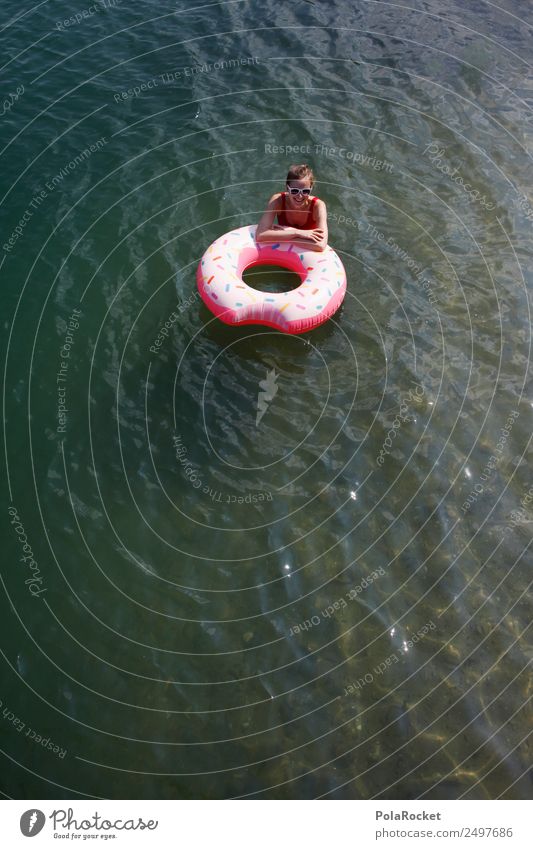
point(294, 191)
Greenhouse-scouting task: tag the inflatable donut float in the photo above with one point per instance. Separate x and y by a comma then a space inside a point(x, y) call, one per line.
point(223, 291)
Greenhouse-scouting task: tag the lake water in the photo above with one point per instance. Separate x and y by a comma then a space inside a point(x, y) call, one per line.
point(323, 591)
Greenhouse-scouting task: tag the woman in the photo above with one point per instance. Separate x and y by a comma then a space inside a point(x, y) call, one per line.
point(302, 217)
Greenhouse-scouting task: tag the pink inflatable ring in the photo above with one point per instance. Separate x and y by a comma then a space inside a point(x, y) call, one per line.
point(220, 283)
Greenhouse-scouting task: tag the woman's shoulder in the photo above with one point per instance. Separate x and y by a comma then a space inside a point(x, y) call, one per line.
point(275, 200)
point(319, 208)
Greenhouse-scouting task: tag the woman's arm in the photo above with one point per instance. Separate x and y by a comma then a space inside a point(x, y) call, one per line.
point(311, 240)
point(266, 230)
point(318, 237)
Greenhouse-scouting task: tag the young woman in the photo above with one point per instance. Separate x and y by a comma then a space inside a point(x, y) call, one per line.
point(302, 217)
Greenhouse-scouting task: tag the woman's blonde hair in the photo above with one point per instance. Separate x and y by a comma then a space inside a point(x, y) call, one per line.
point(300, 172)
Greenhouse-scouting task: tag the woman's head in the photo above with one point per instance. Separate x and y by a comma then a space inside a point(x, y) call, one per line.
point(300, 172)
point(300, 177)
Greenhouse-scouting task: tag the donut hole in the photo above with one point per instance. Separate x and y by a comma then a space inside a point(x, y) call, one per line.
point(271, 278)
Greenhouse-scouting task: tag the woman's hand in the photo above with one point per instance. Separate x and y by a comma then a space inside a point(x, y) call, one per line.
point(276, 232)
point(307, 235)
point(290, 231)
point(313, 239)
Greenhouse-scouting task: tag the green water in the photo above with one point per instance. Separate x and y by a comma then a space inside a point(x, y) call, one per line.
point(320, 592)
point(271, 278)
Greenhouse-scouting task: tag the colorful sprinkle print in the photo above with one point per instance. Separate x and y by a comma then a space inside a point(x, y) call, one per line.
point(220, 278)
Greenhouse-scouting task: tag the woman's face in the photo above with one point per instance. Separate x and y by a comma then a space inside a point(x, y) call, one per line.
point(299, 201)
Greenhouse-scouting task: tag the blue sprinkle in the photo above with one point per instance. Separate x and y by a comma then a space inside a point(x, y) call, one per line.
point(227, 287)
point(275, 246)
point(270, 299)
point(329, 292)
point(319, 307)
point(238, 304)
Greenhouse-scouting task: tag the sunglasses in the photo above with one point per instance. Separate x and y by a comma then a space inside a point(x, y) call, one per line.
point(294, 191)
